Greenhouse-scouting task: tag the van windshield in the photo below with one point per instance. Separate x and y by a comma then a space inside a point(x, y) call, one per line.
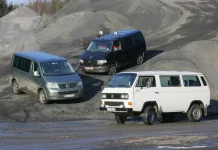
point(122, 80)
point(56, 68)
point(102, 46)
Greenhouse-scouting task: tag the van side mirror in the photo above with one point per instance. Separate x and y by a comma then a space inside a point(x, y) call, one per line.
point(36, 73)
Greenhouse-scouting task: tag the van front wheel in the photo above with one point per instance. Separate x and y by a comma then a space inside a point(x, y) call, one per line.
point(149, 115)
point(120, 119)
point(112, 69)
point(15, 87)
point(195, 113)
point(42, 97)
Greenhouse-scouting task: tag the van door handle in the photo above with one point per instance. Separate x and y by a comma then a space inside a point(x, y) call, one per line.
point(156, 92)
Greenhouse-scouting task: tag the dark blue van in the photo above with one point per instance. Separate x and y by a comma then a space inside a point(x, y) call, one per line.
point(107, 53)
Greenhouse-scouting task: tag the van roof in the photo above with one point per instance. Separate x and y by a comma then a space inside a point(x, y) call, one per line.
point(165, 73)
point(39, 56)
point(121, 34)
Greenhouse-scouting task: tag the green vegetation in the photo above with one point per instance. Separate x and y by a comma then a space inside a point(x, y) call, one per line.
point(5, 8)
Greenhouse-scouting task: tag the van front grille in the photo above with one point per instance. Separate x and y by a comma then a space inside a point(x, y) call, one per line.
point(113, 96)
point(113, 103)
point(65, 86)
point(68, 92)
point(90, 63)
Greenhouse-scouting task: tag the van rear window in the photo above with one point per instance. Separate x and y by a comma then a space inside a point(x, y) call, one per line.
point(191, 81)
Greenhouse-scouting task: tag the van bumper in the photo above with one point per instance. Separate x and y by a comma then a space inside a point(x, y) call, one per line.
point(55, 94)
point(98, 69)
point(123, 110)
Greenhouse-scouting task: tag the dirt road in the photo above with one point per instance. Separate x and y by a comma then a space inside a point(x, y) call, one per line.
point(106, 134)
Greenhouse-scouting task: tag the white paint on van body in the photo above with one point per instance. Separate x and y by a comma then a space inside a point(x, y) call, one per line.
point(168, 99)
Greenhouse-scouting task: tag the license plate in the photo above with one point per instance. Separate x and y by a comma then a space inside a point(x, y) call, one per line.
point(111, 109)
point(88, 68)
point(69, 95)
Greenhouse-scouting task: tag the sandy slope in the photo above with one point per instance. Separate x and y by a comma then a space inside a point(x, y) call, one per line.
point(181, 35)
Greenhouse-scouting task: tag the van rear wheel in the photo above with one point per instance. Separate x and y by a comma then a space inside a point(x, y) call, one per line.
point(15, 87)
point(120, 119)
point(195, 113)
point(140, 59)
point(42, 97)
point(149, 115)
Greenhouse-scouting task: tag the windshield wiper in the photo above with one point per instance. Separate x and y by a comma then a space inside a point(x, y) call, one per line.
point(110, 86)
point(122, 85)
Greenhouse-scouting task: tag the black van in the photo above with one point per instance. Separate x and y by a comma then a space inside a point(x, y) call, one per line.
point(111, 51)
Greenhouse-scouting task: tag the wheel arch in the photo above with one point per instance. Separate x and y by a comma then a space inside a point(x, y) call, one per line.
point(39, 89)
point(150, 103)
point(199, 102)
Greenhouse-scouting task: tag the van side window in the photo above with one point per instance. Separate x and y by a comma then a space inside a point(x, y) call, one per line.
point(17, 62)
point(170, 81)
point(25, 64)
point(191, 80)
point(138, 38)
point(127, 41)
point(35, 67)
point(204, 81)
point(144, 81)
point(117, 46)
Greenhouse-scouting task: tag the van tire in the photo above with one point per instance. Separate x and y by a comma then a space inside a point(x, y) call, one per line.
point(195, 113)
point(167, 117)
point(112, 69)
point(42, 97)
point(140, 59)
point(149, 115)
point(15, 87)
point(120, 119)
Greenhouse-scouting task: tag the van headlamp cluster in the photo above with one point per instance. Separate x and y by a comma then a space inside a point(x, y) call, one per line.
point(124, 96)
point(81, 61)
point(111, 96)
point(101, 62)
point(103, 96)
point(52, 85)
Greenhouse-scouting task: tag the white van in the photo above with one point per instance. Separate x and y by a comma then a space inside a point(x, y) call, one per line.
point(159, 94)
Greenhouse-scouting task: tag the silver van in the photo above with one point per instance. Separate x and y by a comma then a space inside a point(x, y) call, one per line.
point(45, 76)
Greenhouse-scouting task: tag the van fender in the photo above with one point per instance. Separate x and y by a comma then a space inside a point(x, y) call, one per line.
point(150, 103)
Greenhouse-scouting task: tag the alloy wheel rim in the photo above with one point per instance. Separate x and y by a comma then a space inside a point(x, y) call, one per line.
point(42, 97)
point(140, 59)
point(113, 69)
point(196, 113)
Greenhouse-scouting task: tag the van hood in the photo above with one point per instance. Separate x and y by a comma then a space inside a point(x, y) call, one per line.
point(73, 78)
point(116, 90)
point(88, 55)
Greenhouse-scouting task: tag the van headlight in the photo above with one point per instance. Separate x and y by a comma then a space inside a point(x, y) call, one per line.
point(52, 85)
point(103, 96)
point(81, 61)
point(80, 83)
point(101, 62)
point(124, 96)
